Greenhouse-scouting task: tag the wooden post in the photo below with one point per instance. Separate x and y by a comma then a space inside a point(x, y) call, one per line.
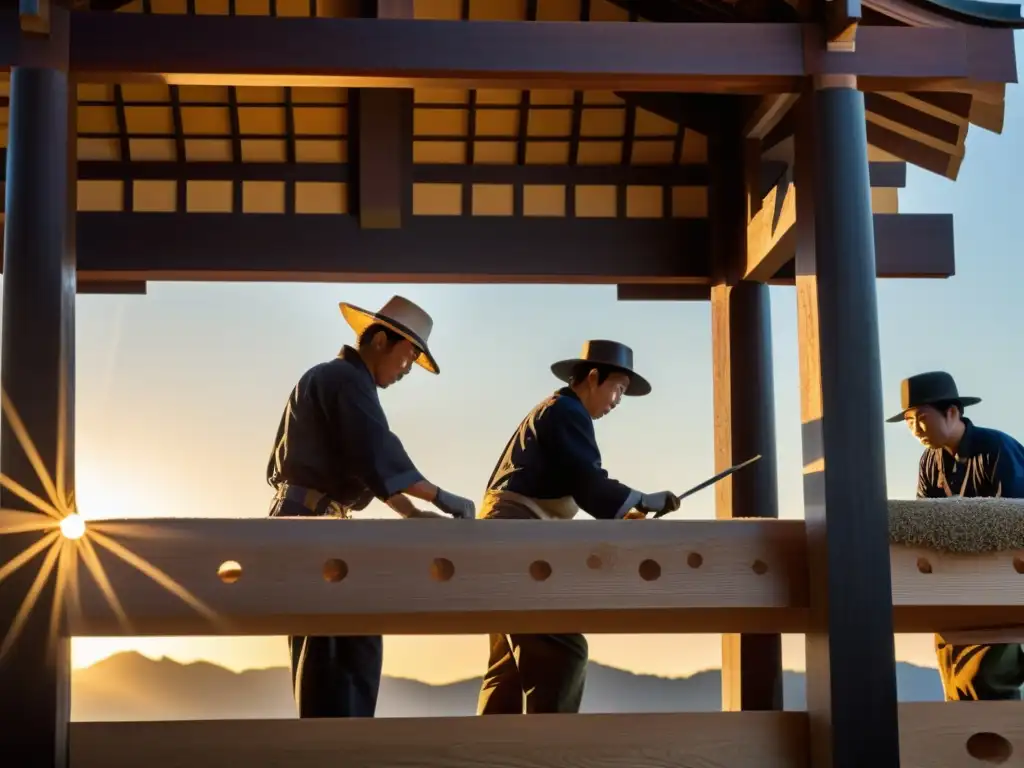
point(851, 674)
point(744, 398)
point(383, 142)
point(37, 377)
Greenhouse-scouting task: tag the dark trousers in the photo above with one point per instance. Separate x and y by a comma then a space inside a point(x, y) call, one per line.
point(980, 672)
point(538, 673)
point(333, 676)
point(336, 676)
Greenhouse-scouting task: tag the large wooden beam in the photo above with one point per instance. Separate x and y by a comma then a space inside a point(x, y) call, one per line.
point(313, 576)
point(851, 674)
point(37, 382)
point(744, 400)
point(931, 734)
point(706, 739)
point(713, 57)
point(907, 245)
point(322, 576)
point(334, 248)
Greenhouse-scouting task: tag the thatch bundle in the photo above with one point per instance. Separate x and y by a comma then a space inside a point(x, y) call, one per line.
point(958, 525)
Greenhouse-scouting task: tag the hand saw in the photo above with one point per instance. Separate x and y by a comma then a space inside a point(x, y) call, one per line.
point(712, 480)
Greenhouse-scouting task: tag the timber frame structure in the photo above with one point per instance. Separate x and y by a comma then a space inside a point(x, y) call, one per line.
point(655, 145)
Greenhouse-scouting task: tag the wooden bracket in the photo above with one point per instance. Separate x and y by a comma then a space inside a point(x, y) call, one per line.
point(841, 20)
point(34, 16)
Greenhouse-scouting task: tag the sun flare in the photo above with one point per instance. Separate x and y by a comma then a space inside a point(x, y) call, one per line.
point(64, 540)
point(73, 526)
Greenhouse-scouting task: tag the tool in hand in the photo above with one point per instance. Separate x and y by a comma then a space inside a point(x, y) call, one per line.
point(712, 480)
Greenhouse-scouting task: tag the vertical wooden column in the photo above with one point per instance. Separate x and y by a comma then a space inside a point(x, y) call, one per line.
point(37, 377)
point(851, 673)
point(744, 398)
point(383, 142)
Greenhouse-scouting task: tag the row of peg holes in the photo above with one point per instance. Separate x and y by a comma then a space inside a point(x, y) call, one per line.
point(442, 569)
point(924, 565)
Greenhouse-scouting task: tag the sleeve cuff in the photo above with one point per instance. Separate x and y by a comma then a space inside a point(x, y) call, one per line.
point(398, 483)
point(631, 501)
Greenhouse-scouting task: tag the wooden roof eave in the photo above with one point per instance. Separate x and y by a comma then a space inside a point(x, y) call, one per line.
point(930, 129)
point(948, 13)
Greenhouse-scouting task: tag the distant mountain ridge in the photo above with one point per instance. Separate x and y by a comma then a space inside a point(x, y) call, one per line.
point(129, 686)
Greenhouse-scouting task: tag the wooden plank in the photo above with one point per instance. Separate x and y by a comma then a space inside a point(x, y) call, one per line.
point(335, 248)
point(932, 734)
point(851, 675)
point(650, 576)
point(767, 114)
point(106, 287)
point(667, 252)
point(712, 57)
point(907, 245)
point(663, 292)
point(389, 587)
point(771, 234)
point(37, 379)
point(705, 739)
point(929, 587)
point(744, 400)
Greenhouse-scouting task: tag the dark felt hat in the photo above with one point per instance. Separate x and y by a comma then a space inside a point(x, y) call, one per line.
point(611, 354)
point(928, 389)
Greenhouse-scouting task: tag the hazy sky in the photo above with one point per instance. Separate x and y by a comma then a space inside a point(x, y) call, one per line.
point(180, 391)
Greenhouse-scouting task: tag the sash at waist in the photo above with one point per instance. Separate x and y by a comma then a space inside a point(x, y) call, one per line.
point(507, 505)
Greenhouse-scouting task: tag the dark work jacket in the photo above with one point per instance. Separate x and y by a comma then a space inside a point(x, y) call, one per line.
point(554, 454)
point(334, 437)
point(988, 463)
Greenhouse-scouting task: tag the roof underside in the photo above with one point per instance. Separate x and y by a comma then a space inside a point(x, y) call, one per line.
point(566, 138)
point(151, 148)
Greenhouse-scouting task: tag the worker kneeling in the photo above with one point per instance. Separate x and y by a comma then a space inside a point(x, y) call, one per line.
point(550, 469)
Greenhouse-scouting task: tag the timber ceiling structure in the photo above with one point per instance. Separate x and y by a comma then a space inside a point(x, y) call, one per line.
point(184, 179)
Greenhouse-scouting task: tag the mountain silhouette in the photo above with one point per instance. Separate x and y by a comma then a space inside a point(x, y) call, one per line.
point(129, 686)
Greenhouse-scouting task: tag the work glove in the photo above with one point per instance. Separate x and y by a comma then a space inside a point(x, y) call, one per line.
point(662, 501)
point(453, 505)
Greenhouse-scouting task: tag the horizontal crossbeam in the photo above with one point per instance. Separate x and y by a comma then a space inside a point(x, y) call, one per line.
point(713, 57)
point(882, 174)
point(932, 733)
point(463, 249)
point(438, 249)
point(187, 576)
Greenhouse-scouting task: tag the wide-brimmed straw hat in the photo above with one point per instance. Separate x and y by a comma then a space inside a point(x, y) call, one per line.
point(609, 354)
point(929, 389)
point(401, 316)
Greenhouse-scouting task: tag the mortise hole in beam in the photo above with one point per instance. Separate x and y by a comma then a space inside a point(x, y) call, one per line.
point(335, 570)
point(760, 567)
point(442, 569)
point(1018, 564)
point(230, 571)
point(594, 563)
point(923, 565)
point(694, 560)
point(540, 570)
point(987, 747)
point(650, 570)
